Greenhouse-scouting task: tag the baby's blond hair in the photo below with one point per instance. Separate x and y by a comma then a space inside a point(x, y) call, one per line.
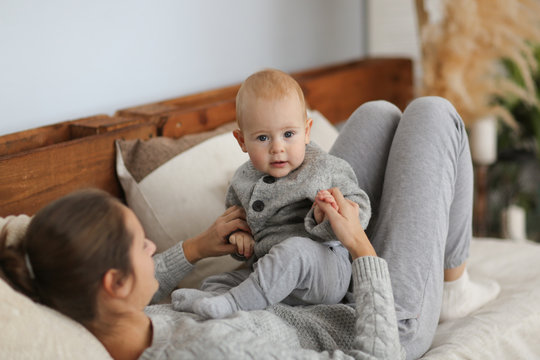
point(269, 84)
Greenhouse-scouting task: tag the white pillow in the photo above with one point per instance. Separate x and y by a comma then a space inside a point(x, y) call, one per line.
point(33, 331)
point(185, 195)
point(323, 132)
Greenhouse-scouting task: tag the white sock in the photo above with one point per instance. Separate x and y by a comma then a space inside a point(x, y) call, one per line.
point(465, 295)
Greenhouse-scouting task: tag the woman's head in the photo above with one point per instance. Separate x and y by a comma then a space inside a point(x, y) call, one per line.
point(70, 245)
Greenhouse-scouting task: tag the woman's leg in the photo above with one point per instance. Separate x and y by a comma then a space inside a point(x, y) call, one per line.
point(364, 141)
point(424, 207)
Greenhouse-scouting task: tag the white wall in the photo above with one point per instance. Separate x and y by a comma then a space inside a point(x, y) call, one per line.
point(392, 30)
point(66, 59)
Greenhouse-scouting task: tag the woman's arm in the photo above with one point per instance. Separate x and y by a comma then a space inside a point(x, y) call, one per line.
point(177, 261)
point(346, 224)
point(377, 335)
point(170, 267)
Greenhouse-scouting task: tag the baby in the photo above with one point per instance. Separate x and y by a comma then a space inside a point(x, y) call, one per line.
point(295, 256)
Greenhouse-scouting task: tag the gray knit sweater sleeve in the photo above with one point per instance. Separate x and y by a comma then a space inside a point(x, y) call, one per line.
point(377, 335)
point(338, 173)
point(231, 198)
point(170, 267)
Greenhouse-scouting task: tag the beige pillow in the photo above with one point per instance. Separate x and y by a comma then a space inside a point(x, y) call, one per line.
point(33, 331)
point(15, 227)
point(182, 196)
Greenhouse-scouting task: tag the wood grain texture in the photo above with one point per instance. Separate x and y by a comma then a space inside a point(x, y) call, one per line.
point(31, 179)
point(42, 164)
point(336, 91)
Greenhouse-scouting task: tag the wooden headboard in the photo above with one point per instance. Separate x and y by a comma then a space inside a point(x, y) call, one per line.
point(42, 164)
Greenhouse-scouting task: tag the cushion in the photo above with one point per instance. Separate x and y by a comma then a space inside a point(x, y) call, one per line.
point(177, 187)
point(15, 227)
point(26, 326)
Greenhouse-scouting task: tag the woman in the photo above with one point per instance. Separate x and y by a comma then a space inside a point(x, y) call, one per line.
point(86, 255)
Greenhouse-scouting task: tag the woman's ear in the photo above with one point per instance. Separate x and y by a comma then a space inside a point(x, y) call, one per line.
point(116, 284)
point(239, 135)
point(309, 124)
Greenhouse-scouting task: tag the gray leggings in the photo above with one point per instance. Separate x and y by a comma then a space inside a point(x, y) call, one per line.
point(416, 168)
point(297, 271)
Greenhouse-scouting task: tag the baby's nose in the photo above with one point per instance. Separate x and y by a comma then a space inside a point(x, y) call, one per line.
point(277, 146)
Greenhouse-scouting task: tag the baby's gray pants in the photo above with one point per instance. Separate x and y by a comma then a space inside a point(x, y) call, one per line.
point(297, 271)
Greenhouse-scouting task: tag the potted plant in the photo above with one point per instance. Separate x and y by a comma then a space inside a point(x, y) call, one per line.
point(462, 43)
point(515, 176)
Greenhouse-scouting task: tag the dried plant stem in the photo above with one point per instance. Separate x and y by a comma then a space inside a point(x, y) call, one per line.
point(461, 54)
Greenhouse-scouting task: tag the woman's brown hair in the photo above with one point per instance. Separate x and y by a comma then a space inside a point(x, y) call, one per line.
point(69, 244)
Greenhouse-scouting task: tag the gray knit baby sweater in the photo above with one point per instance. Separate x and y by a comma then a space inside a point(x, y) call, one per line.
point(367, 330)
point(279, 208)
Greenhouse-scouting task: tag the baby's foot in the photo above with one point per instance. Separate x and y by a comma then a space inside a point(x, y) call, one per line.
point(464, 295)
point(183, 299)
point(215, 307)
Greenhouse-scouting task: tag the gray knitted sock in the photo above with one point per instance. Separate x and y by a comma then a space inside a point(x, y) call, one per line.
point(215, 307)
point(184, 299)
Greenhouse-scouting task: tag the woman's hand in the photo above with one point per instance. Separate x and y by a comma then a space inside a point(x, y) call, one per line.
point(214, 242)
point(346, 224)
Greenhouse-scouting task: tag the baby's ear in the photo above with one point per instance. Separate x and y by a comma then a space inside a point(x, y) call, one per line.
point(239, 135)
point(309, 124)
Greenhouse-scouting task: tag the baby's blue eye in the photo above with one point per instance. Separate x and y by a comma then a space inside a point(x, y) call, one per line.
point(262, 137)
point(288, 134)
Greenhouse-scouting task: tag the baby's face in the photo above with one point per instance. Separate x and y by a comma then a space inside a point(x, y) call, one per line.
point(275, 133)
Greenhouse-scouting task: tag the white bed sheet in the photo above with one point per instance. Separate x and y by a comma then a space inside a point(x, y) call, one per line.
point(507, 327)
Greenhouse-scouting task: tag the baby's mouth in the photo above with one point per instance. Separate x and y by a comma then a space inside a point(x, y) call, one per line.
point(278, 163)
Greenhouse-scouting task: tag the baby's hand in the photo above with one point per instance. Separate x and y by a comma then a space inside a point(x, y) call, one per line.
point(244, 243)
point(323, 195)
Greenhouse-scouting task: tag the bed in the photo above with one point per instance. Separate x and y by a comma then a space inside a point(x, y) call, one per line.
point(148, 155)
